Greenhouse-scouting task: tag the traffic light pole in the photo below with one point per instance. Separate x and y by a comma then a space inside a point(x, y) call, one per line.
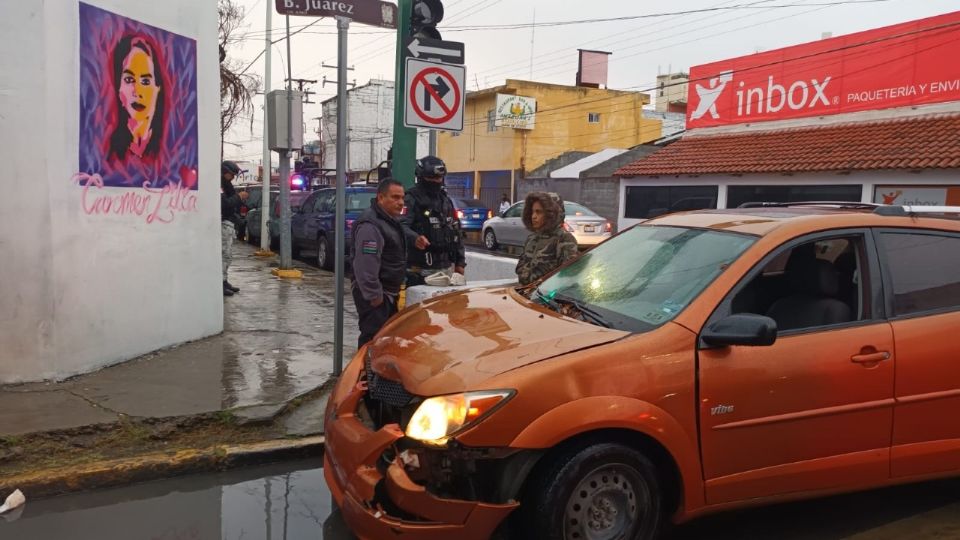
point(404, 138)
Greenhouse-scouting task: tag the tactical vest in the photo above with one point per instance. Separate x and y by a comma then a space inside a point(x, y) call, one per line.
point(393, 258)
point(435, 218)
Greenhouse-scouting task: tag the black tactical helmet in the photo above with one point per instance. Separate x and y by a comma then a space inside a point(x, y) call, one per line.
point(230, 167)
point(431, 167)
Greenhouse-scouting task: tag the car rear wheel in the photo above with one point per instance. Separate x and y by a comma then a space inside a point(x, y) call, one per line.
point(490, 239)
point(324, 257)
point(604, 491)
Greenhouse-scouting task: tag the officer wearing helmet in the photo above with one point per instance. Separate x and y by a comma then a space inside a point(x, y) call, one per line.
point(230, 202)
point(436, 240)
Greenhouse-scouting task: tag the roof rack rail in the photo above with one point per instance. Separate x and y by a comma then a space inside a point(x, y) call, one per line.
point(832, 204)
point(902, 211)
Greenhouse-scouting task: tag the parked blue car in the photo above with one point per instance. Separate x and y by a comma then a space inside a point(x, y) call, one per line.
point(472, 213)
point(313, 225)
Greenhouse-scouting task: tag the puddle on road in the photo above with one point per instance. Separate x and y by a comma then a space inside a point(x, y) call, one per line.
point(279, 502)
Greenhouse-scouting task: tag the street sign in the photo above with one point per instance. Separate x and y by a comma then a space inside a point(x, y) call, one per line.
point(371, 12)
point(448, 52)
point(434, 95)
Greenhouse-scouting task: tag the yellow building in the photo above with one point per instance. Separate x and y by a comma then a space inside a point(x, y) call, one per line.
point(486, 160)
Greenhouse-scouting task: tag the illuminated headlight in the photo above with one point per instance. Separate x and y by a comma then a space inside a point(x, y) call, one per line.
point(437, 419)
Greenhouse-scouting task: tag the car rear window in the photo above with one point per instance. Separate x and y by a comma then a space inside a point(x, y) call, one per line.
point(357, 202)
point(468, 203)
point(578, 210)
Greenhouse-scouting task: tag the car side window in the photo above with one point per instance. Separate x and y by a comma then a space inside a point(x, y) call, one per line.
point(325, 202)
point(308, 205)
point(925, 271)
point(811, 285)
point(514, 212)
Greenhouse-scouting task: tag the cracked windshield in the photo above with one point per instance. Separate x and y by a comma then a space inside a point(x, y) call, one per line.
point(646, 276)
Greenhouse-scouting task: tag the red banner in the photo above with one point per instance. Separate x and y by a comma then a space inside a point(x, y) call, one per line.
point(907, 64)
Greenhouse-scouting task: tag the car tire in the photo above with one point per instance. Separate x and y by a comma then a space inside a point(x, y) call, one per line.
point(324, 254)
point(603, 490)
point(490, 240)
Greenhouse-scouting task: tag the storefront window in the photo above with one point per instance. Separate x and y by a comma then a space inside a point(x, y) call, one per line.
point(917, 195)
point(739, 195)
point(648, 202)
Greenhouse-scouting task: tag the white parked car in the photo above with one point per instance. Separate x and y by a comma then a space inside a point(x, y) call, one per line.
point(588, 227)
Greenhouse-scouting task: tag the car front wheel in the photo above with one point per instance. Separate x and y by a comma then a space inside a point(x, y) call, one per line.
point(324, 257)
point(490, 239)
point(604, 491)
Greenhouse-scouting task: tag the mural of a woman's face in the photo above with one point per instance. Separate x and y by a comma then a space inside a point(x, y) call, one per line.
point(139, 91)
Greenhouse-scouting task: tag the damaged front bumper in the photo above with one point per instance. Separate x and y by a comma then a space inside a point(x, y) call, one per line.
point(353, 452)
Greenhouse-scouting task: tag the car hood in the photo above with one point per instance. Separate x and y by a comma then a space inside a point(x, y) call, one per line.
point(456, 342)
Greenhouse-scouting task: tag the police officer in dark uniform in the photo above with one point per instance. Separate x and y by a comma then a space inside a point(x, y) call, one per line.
point(435, 240)
point(379, 261)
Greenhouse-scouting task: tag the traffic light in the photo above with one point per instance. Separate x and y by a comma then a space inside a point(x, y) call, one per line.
point(427, 14)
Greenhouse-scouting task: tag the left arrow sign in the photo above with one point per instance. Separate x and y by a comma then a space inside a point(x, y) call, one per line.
point(450, 52)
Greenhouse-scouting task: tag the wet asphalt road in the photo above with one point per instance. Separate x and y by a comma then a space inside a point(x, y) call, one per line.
point(290, 502)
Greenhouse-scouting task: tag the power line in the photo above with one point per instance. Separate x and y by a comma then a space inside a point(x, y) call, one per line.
point(945, 26)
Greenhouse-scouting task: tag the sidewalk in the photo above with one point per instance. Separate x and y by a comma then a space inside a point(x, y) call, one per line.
point(270, 365)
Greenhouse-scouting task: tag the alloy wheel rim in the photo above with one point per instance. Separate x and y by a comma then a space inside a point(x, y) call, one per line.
point(606, 505)
point(322, 252)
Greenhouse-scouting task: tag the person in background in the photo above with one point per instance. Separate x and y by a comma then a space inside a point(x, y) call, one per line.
point(548, 246)
point(434, 237)
point(505, 204)
point(380, 259)
point(230, 202)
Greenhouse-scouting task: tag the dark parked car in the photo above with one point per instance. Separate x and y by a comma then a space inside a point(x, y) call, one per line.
point(313, 224)
point(254, 197)
point(472, 213)
point(253, 217)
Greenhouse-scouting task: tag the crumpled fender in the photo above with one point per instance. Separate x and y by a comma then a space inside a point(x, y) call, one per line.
point(617, 412)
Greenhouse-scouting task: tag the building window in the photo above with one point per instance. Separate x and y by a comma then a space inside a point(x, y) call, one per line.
point(740, 195)
point(491, 120)
point(933, 285)
point(662, 86)
point(648, 202)
point(593, 118)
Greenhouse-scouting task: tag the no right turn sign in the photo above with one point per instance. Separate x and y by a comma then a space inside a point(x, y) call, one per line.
point(434, 95)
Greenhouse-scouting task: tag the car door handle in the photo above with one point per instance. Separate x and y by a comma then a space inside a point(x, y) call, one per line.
point(871, 358)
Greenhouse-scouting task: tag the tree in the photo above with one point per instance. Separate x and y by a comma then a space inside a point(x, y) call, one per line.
point(237, 88)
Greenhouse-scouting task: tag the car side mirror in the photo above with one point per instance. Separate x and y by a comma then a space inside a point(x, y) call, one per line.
point(745, 330)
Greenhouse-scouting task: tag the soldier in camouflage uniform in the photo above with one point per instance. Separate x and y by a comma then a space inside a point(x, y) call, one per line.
point(549, 245)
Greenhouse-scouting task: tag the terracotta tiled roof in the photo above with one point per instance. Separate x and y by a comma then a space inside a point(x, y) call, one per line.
point(926, 142)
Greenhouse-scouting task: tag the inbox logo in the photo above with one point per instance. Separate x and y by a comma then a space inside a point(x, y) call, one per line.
point(710, 94)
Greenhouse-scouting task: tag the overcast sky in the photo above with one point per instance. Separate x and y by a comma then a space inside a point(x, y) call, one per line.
point(641, 47)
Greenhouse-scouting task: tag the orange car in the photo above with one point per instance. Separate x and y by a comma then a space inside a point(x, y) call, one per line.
point(694, 363)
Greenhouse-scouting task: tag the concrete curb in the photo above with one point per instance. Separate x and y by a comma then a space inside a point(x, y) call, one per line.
point(125, 471)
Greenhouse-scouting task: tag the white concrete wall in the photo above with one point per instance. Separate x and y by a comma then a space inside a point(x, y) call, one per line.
point(78, 291)
point(868, 179)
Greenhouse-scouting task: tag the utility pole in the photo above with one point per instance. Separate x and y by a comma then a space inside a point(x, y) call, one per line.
point(286, 261)
point(267, 156)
